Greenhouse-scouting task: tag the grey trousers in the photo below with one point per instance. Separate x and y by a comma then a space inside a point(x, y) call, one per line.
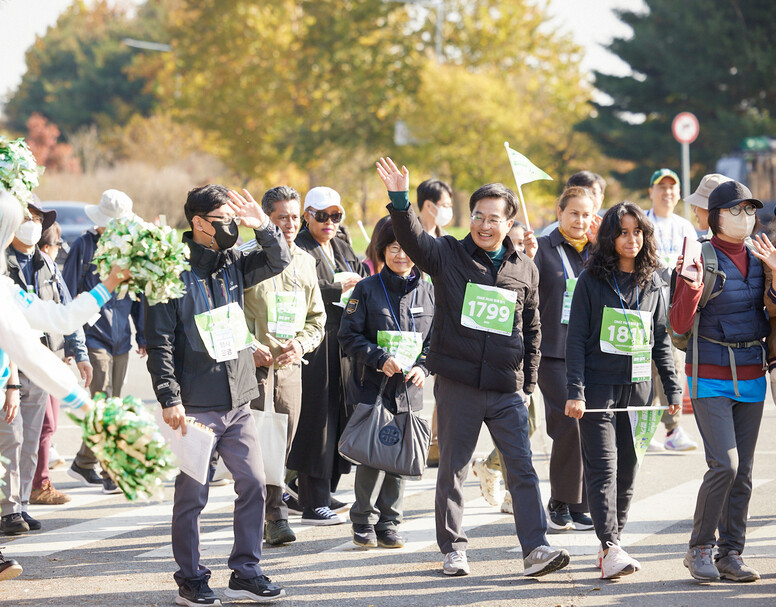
point(108, 375)
point(566, 476)
point(729, 430)
point(379, 497)
point(19, 443)
point(286, 389)
point(238, 445)
point(608, 455)
point(461, 410)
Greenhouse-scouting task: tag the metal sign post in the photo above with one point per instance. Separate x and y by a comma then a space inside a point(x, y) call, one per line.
point(685, 128)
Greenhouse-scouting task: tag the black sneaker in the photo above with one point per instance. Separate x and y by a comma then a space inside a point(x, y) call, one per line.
point(85, 476)
point(32, 523)
point(364, 535)
point(292, 504)
point(560, 518)
point(196, 592)
point(13, 524)
point(9, 568)
point(109, 487)
point(582, 521)
point(389, 538)
point(258, 589)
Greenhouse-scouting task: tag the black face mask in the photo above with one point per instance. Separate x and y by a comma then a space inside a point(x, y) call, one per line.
point(225, 235)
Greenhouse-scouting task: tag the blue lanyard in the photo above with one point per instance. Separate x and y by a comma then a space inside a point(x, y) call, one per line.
point(624, 307)
point(328, 261)
point(390, 307)
point(205, 294)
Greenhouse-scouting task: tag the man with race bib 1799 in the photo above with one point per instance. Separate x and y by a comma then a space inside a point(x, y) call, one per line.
point(485, 353)
point(670, 231)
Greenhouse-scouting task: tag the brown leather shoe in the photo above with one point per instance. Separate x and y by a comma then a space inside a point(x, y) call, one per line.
point(48, 495)
point(433, 456)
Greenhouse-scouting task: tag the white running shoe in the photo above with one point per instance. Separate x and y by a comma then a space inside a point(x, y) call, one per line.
point(456, 563)
point(655, 446)
point(617, 563)
point(490, 482)
point(506, 505)
point(680, 441)
point(544, 560)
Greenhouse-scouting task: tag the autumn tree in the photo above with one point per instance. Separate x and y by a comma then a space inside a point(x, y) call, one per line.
point(714, 58)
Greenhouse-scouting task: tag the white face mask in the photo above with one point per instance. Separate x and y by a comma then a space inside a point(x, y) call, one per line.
point(444, 215)
point(738, 226)
point(29, 233)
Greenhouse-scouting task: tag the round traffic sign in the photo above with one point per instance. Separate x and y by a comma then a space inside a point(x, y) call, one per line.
point(685, 127)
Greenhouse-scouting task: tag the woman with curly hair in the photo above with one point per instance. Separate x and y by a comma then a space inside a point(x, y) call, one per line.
point(616, 326)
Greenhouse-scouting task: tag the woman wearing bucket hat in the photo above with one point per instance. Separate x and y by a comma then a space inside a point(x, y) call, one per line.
point(699, 199)
point(726, 373)
point(323, 416)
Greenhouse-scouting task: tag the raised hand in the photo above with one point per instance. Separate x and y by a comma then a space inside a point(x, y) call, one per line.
point(763, 249)
point(394, 179)
point(247, 209)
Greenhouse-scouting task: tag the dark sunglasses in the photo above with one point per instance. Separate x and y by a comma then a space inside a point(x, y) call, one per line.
point(323, 217)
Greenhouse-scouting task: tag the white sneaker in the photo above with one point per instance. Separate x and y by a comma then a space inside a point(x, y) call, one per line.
point(55, 459)
point(600, 557)
point(322, 517)
point(655, 446)
point(455, 563)
point(490, 482)
point(680, 441)
point(506, 505)
point(544, 560)
point(617, 563)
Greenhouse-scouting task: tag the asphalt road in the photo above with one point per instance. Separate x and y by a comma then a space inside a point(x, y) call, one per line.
point(103, 550)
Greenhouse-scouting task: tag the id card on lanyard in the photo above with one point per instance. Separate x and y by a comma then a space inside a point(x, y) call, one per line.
point(571, 283)
point(286, 311)
point(404, 346)
point(626, 332)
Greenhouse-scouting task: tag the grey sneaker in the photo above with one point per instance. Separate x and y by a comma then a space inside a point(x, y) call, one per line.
point(455, 563)
point(544, 560)
point(278, 532)
point(698, 561)
point(732, 567)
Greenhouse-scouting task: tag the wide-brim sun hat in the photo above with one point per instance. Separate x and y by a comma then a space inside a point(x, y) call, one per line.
point(114, 204)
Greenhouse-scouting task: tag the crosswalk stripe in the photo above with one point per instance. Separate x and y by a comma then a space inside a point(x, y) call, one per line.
point(219, 542)
point(94, 530)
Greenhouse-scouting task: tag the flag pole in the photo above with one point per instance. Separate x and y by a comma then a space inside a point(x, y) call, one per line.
point(519, 191)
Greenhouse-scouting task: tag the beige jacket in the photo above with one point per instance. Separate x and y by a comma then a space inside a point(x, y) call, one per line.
point(301, 269)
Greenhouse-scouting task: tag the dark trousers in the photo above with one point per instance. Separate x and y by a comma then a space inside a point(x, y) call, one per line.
point(286, 388)
point(314, 492)
point(379, 497)
point(461, 410)
point(729, 430)
point(608, 455)
point(566, 476)
point(108, 375)
point(238, 445)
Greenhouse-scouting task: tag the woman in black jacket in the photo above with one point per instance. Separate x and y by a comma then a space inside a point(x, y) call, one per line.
point(392, 306)
point(560, 258)
point(617, 325)
point(323, 415)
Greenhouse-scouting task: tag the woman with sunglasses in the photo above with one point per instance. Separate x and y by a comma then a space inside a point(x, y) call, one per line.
point(616, 326)
point(726, 373)
point(314, 454)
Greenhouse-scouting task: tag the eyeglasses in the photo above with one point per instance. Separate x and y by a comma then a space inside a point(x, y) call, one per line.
point(393, 249)
point(323, 216)
point(479, 220)
point(222, 220)
point(749, 209)
point(36, 218)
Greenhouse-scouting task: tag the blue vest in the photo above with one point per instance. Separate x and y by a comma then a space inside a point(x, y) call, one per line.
point(736, 315)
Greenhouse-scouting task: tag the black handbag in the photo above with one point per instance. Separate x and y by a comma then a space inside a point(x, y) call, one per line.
point(377, 438)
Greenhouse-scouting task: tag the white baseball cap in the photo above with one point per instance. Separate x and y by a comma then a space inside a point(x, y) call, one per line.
point(321, 198)
point(113, 205)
